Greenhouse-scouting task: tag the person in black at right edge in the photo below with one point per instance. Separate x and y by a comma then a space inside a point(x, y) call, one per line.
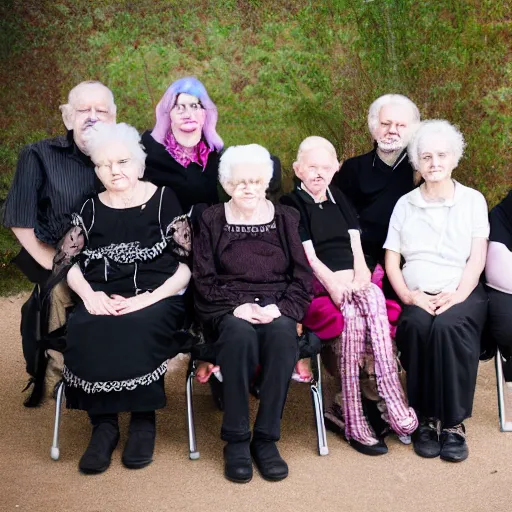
point(376, 180)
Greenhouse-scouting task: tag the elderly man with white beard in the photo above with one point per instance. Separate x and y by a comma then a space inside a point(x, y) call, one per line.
point(51, 177)
point(376, 180)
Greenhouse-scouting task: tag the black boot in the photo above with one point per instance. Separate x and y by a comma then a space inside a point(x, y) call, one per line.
point(425, 439)
point(104, 439)
point(237, 462)
point(453, 444)
point(138, 451)
point(268, 460)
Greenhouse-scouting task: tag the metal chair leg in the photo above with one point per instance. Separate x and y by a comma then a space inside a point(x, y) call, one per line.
point(505, 426)
point(192, 445)
point(55, 451)
point(318, 406)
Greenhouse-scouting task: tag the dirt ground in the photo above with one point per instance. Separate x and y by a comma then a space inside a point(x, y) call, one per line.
point(343, 481)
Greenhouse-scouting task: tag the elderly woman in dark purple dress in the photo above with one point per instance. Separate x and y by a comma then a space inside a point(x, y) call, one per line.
point(252, 284)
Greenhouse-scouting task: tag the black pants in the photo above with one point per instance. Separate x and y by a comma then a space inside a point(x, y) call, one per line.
point(440, 355)
point(499, 325)
point(240, 348)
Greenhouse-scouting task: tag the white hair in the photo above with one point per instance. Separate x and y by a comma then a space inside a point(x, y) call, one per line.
point(391, 99)
point(315, 142)
point(249, 154)
point(435, 127)
point(105, 134)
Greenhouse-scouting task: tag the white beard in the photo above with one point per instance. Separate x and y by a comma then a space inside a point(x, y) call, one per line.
point(388, 147)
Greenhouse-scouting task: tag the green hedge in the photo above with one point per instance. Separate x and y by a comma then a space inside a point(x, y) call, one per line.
point(278, 71)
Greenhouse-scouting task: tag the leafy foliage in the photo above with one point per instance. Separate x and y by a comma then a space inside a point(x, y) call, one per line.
point(278, 71)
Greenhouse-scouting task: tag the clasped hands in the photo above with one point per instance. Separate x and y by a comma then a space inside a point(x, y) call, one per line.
point(436, 304)
point(344, 283)
point(255, 314)
point(99, 303)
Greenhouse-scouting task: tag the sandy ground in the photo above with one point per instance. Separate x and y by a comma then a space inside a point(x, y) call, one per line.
point(342, 481)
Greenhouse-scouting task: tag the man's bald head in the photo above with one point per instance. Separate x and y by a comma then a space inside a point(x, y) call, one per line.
point(315, 142)
point(88, 103)
point(82, 87)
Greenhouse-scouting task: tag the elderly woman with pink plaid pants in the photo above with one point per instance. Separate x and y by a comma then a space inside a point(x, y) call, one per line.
point(348, 307)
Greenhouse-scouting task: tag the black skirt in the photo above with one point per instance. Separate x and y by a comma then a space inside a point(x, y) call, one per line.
point(118, 363)
point(440, 355)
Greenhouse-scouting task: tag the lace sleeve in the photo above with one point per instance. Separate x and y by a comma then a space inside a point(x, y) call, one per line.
point(175, 226)
point(68, 251)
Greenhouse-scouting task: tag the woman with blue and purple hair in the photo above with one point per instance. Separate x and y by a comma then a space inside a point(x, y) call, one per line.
point(184, 148)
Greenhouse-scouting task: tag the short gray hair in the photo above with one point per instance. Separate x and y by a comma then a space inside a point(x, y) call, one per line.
point(390, 99)
point(249, 154)
point(105, 134)
point(441, 127)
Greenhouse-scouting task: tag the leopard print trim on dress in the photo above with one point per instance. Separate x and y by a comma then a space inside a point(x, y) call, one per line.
point(114, 385)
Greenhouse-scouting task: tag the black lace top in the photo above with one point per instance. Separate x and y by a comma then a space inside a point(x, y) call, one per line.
point(130, 250)
point(264, 264)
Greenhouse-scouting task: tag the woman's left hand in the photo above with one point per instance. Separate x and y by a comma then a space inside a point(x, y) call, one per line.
point(134, 303)
point(272, 310)
point(362, 278)
point(446, 300)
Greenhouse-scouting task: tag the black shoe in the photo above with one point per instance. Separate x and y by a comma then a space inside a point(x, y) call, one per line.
point(98, 455)
point(333, 427)
point(138, 451)
point(268, 460)
point(453, 444)
point(237, 462)
point(425, 439)
point(369, 449)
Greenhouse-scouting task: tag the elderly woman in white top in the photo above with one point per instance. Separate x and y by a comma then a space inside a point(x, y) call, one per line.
point(440, 229)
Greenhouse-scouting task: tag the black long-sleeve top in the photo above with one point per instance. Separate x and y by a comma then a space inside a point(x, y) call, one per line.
point(373, 187)
point(264, 264)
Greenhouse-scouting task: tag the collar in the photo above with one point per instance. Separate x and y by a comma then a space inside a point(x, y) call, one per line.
point(67, 143)
point(399, 160)
point(63, 141)
point(416, 198)
point(306, 196)
point(178, 152)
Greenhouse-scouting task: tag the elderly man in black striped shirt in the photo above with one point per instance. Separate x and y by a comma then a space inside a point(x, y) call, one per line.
point(51, 177)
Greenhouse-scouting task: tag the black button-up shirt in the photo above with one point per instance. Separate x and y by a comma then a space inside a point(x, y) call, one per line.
point(52, 177)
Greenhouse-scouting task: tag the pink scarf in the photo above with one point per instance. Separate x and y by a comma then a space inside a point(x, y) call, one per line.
point(367, 330)
point(198, 155)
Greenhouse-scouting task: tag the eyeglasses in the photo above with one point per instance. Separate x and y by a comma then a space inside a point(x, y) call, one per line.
point(180, 108)
point(123, 164)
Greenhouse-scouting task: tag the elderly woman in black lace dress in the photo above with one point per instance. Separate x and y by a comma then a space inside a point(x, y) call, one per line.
point(130, 277)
